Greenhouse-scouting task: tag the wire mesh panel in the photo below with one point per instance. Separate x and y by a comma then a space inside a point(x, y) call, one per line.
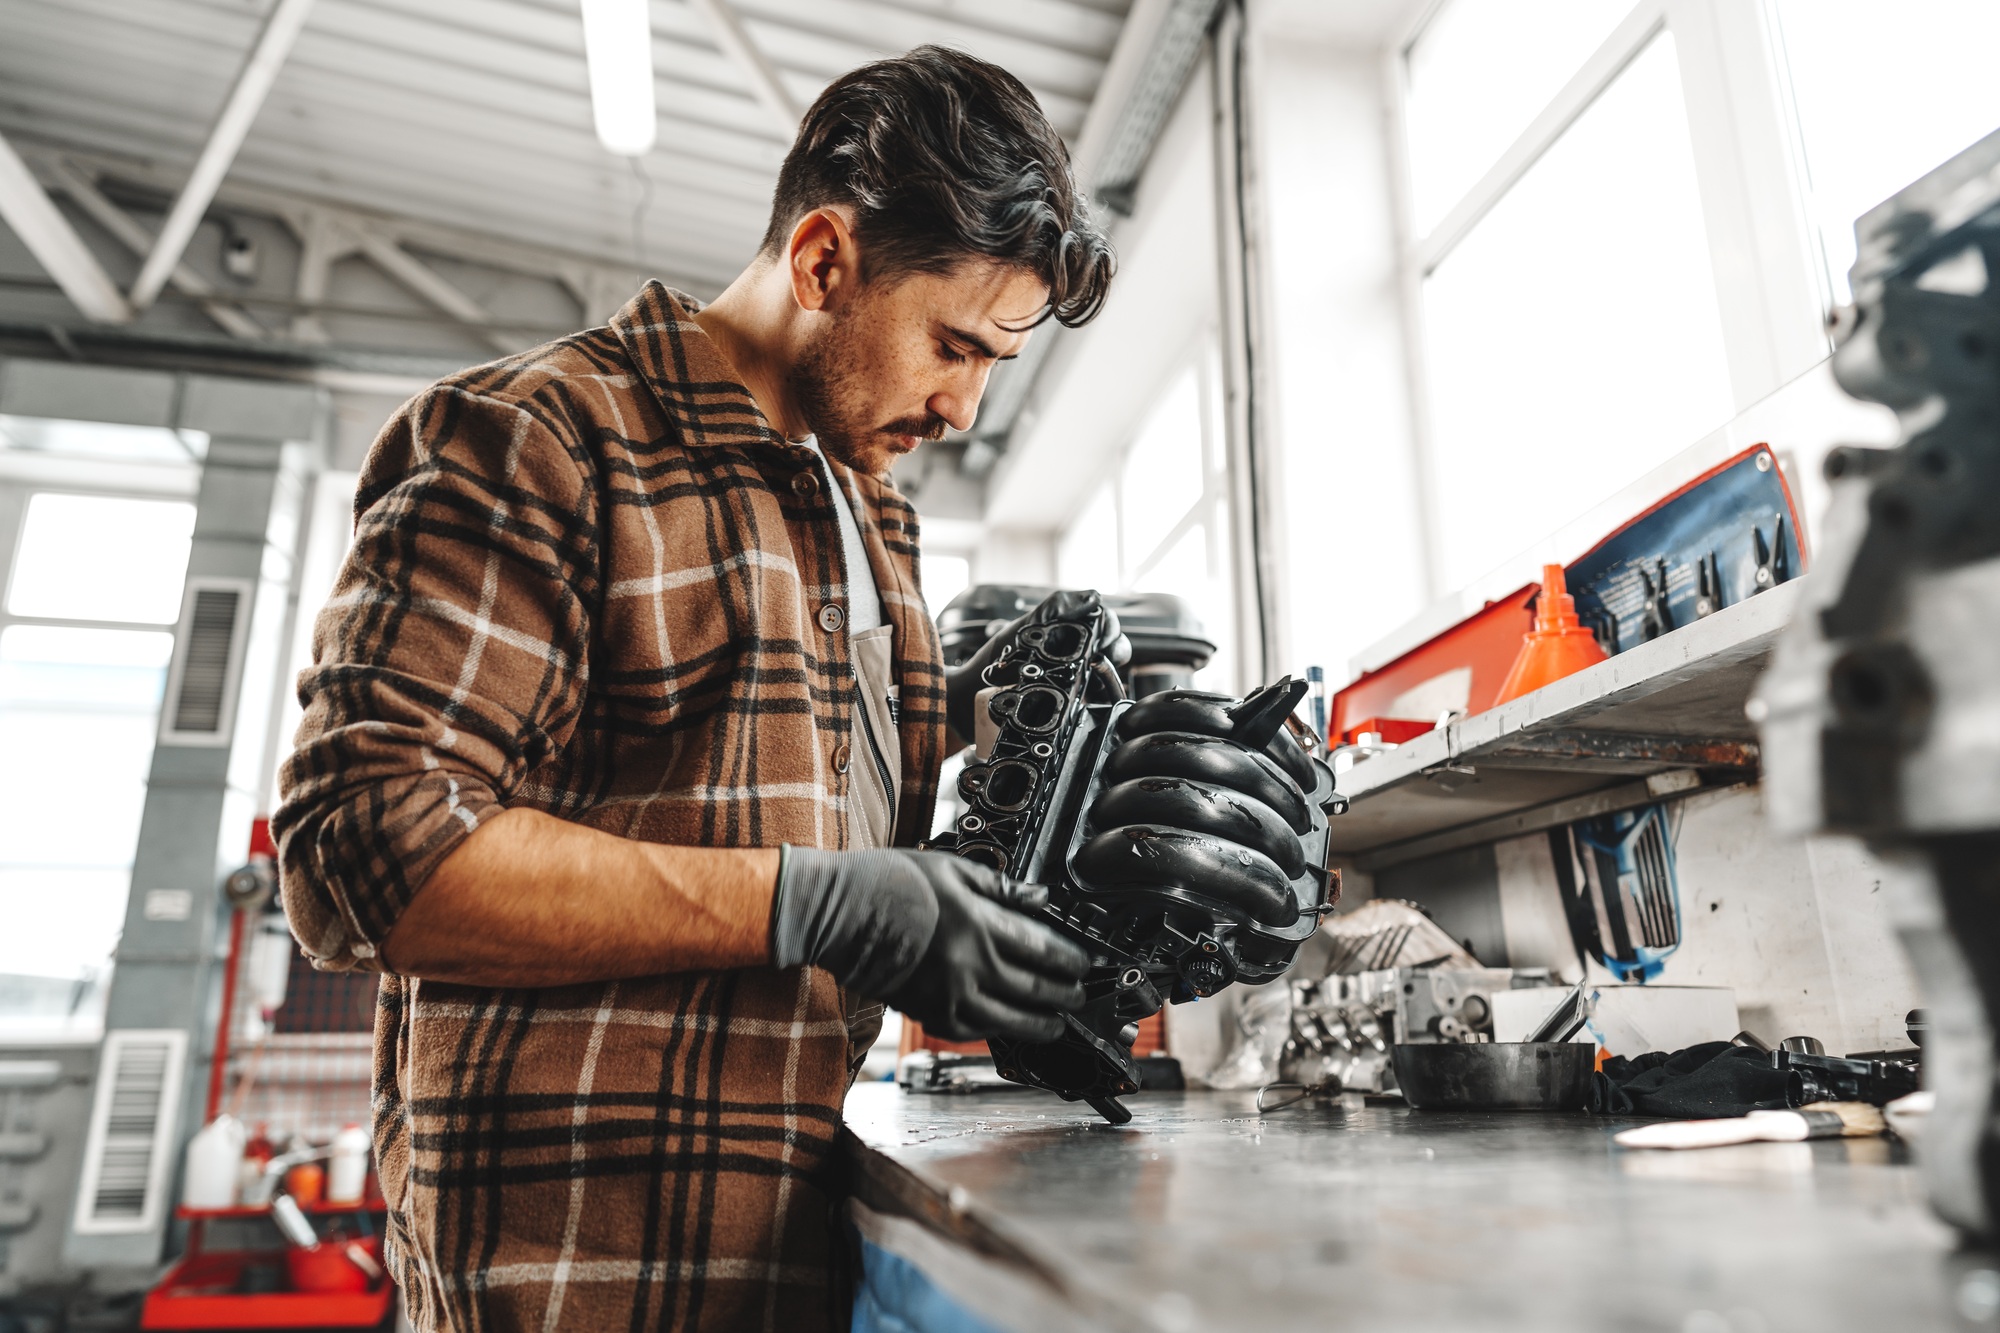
point(300, 1040)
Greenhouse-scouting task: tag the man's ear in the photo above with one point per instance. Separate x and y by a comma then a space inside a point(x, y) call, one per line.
point(824, 259)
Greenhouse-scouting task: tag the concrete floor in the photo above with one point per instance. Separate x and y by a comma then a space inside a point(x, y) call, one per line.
point(1203, 1214)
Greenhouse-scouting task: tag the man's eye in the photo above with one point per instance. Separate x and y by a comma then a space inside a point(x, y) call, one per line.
point(950, 353)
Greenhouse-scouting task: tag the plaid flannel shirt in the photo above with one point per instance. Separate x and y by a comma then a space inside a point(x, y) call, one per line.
point(591, 580)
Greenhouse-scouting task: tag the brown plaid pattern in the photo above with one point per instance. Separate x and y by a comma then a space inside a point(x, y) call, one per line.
point(591, 580)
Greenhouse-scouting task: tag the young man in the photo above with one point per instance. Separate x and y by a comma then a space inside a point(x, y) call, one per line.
point(624, 712)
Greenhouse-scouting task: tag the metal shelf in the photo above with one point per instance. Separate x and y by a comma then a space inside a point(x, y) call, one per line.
point(1659, 721)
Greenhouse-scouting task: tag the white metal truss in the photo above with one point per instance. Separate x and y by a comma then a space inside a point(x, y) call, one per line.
point(27, 209)
point(132, 234)
point(328, 234)
point(765, 84)
point(232, 124)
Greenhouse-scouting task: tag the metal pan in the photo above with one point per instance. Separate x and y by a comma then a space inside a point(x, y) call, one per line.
point(1496, 1076)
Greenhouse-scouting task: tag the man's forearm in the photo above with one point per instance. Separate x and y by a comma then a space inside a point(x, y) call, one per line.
point(532, 900)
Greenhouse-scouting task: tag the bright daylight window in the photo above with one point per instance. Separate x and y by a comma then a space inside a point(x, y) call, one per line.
point(1882, 102)
point(1572, 336)
point(1479, 73)
point(1160, 524)
point(86, 631)
point(944, 577)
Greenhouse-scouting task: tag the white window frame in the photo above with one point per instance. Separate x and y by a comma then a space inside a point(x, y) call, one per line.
point(15, 495)
point(25, 475)
point(1770, 278)
point(1201, 357)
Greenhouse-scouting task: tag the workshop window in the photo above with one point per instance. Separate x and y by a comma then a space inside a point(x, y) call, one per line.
point(1159, 523)
point(1879, 103)
point(944, 577)
point(1478, 75)
point(1573, 338)
point(92, 589)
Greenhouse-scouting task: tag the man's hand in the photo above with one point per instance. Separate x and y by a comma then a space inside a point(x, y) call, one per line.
point(946, 941)
point(962, 683)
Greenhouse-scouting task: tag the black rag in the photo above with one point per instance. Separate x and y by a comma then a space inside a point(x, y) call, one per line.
point(1705, 1082)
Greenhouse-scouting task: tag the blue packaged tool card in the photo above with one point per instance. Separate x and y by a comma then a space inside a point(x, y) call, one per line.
point(1726, 536)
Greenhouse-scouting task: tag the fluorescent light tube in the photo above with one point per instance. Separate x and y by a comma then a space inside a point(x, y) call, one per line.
point(618, 43)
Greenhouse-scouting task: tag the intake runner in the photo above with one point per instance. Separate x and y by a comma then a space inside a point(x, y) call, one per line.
point(1128, 813)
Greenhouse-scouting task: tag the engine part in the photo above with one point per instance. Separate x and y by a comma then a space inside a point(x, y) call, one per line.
point(1448, 1004)
point(1337, 1041)
point(1169, 642)
point(1875, 712)
point(1129, 813)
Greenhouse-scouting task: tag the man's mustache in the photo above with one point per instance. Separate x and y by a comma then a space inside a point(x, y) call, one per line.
point(930, 426)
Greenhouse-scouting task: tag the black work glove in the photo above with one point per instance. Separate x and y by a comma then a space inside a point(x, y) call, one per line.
point(944, 940)
point(962, 683)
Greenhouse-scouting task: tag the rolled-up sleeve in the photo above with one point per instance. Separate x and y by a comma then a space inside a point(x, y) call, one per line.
point(448, 662)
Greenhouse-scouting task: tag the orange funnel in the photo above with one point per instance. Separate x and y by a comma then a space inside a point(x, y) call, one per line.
point(1556, 646)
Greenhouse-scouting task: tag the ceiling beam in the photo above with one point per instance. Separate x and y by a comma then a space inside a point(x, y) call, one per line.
point(253, 81)
point(130, 233)
point(405, 268)
point(765, 84)
point(34, 217)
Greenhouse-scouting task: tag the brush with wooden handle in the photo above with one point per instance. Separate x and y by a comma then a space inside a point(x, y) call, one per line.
point(1821, 1120)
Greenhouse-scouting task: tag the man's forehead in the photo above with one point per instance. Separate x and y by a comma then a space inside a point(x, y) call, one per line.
point(997, 301)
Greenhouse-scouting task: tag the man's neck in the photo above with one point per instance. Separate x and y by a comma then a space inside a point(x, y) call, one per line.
point(750, 324)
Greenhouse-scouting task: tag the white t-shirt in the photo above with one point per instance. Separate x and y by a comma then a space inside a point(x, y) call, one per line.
point(864, 601)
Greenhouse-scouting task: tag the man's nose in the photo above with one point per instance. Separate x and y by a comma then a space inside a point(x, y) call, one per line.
point(958, 403)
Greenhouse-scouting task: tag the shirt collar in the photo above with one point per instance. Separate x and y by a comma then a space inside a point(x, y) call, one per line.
point(694, 385)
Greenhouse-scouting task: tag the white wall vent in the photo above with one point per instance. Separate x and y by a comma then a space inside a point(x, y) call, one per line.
point(127, 1156)
point(200, 706)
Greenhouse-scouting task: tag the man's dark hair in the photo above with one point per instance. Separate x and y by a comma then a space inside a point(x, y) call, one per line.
point(943, 158)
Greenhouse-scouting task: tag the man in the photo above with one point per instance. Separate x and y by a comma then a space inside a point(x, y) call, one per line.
point(625, 711)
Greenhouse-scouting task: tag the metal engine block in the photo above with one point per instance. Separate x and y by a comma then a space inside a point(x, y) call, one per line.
point(1878, 710)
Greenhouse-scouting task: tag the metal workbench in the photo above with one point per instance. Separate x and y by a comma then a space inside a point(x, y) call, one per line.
point(1659, 721)
point(1202, 1214)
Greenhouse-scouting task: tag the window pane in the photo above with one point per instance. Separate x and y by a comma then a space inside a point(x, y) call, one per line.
point(49, 666)
point(1884, 94)
point(1164, 473)
point(77, 800)
point(944, 577)
point(60, 923)
point(1087, 556)
point(1479, 74)
point(1573, 337)
point(88, 557)
point(78, 712)
point(1185, 570)
point(97, 439)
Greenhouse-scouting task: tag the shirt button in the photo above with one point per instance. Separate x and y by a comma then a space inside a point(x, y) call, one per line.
point(831, 617)
point(841, 755)
point(805, 483)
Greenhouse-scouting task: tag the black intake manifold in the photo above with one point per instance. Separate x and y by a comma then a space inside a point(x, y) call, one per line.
point(1133, 815)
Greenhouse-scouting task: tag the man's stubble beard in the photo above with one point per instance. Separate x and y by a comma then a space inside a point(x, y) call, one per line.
point(824, 394)
point(823, 386)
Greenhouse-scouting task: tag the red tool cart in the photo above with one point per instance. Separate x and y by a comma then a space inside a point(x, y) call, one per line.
point(217, 1289)
point(293, 1053)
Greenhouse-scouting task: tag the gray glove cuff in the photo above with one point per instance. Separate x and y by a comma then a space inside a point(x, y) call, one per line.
point(866, 917)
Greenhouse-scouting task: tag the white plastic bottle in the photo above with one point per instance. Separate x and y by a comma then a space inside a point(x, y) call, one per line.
point(214, 1156)
point(347, 1174)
